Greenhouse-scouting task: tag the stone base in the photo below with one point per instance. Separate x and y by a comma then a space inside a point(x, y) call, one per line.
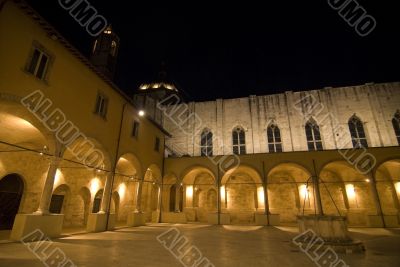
point(24, 224)
point(97, 222)
point(155, 216)
point(374, 221)
point(224, 218)
point(173, 217)
point(261, 219)
point(274, 219)
point(332, 230)
point(392, 221)
point(190, 214)
point(136, 219)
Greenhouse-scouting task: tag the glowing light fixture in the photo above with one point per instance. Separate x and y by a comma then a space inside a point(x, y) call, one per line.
point(351, 192)
point(189, 191)
point(94, 185)
point(397, 186)
point(141, 113)
point(222, 192)
point(260, 197)
point(304, 191)
point(122, 190)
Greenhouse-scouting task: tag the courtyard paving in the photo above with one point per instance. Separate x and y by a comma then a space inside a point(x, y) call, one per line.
point(222, 245)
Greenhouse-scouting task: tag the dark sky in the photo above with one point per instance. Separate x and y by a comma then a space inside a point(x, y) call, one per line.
point(227, 49)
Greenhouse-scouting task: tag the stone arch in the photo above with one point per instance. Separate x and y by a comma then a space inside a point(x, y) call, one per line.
point(151, 191)
point(168, 194)
point(290, 191)
point(388, 186)
point(97, 201)
point(196, 182)
point(240, 195)
point(350, 189)
point(83, 206)
point(128, 172)
point(26, 129)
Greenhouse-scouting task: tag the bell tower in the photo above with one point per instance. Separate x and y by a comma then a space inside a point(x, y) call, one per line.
point(105, 52)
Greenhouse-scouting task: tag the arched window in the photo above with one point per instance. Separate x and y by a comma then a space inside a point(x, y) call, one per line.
point(238, 141)
point(206, 143)
point(357, 132)
point(274, 138)
point(313, 134)
point(396, 125)
point(113, 50)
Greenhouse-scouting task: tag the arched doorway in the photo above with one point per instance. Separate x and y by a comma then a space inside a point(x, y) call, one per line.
point(11, 190)
point(97, 201)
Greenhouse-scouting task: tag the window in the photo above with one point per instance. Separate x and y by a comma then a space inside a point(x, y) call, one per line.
point(38, 63)
point(157, 144)
point(274, 139)
point(135, 129)
point(206, 143)
point(396, 125)
point(56, 204)
point(313, 134)
point(238, 141)
point(97, 201)
point(357, 133)
point(101, 105)
point(113, 50)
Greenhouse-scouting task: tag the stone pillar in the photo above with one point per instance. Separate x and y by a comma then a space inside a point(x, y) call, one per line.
point(105, 201)
point(159, 198)
point(48, 187)
point(177, 197)
point(138, 207)
point(317, 196)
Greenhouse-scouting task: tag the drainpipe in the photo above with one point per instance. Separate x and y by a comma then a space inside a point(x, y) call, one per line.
point(162, 184)
point(317, 191)
point(219, 194)
point(266, 199)
point(115, 165)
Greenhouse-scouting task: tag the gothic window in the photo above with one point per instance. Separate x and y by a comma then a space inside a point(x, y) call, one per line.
point(396, 125)
point(313, 134)
point(239, 141)
point(357, 133)
point(206, 143)
point(274, 138)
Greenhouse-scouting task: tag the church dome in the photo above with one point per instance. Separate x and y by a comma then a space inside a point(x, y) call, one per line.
point(160, 83)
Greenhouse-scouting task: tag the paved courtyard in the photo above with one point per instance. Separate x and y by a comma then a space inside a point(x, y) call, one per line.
point(222, 245)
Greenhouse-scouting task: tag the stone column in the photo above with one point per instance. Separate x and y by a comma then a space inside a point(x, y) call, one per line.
point(105, 201)
point(138, 207)
point(48, 187)
point(177, 197)
point(159, 197)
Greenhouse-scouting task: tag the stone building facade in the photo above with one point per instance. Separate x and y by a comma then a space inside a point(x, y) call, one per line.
point(375, 105)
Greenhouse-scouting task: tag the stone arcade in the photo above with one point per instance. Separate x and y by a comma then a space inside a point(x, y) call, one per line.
point(159, 168)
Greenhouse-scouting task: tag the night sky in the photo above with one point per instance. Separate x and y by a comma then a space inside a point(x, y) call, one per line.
point(226, 49)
